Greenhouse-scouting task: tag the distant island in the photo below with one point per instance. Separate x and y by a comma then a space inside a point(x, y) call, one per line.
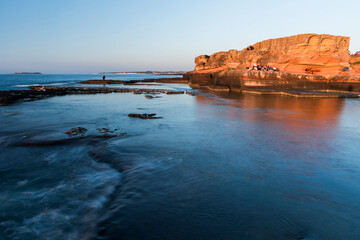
point(147, 72)
point(28, 73)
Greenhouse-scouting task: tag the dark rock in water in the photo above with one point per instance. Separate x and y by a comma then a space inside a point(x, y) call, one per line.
point(173, 92)
point(144, 116)
point(192, 93)
point(107, 133)
point(77, 136)
point(36, 92)
point(76, 131)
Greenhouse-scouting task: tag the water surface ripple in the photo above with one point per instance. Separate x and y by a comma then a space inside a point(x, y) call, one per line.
point(220, 167)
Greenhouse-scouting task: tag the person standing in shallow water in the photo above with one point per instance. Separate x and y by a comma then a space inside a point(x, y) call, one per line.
point(104, 80)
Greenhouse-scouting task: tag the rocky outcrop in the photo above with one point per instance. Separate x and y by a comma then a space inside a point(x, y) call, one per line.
point(307, 62)
point(305, 53)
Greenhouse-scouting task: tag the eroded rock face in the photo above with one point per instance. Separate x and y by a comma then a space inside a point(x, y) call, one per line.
point(323, 54)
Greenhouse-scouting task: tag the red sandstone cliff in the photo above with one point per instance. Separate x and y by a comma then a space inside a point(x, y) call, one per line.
point(321, 54)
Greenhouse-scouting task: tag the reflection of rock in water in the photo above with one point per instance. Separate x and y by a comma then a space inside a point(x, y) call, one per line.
point(282, 114)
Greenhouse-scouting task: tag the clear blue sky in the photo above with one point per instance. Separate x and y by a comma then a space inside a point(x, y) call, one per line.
point(86, 36)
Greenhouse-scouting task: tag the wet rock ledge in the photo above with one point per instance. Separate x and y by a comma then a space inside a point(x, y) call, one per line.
point(35, 93)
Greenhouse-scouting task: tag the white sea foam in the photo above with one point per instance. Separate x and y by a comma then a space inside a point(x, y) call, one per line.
point(42, 84)
point(25, 85)
point(68, 210)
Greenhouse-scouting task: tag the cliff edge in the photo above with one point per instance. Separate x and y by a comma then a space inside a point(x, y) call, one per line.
point(304, 53)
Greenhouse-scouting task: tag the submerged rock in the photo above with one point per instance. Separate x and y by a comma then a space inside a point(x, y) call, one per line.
point(76, 136)
point(107, 132)
point(76, 131)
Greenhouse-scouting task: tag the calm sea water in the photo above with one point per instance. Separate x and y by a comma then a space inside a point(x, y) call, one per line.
point(19, 82)
point(214, 167)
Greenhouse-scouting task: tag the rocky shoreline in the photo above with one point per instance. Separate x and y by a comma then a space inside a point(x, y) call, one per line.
point(233, 81)
point(238, 80)
point(36, 93)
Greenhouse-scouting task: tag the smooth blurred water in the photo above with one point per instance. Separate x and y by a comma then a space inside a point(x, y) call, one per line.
point(217, 167)
point(22, 81)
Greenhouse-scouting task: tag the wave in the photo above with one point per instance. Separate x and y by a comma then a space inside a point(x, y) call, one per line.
point(43, 84)
point(25, 85)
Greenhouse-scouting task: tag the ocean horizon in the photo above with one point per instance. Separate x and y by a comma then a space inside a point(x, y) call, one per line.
point(23, 81)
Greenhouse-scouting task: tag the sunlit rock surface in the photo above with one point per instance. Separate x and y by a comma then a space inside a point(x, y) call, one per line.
point(303, 62)
point(326, 54)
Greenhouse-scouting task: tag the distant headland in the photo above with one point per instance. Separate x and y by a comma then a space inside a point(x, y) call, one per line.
point(28, 73)
point(148, 72)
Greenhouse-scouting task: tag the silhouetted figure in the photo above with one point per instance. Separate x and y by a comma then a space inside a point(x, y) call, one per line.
point(104, 78)
point(250, 48)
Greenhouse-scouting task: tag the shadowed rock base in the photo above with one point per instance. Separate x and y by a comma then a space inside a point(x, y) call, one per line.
point(244, 80)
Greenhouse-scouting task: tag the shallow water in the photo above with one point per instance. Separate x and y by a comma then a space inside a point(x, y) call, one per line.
point(214, 167)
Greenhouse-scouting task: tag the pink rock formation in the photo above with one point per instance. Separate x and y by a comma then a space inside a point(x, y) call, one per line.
point(304, 53)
